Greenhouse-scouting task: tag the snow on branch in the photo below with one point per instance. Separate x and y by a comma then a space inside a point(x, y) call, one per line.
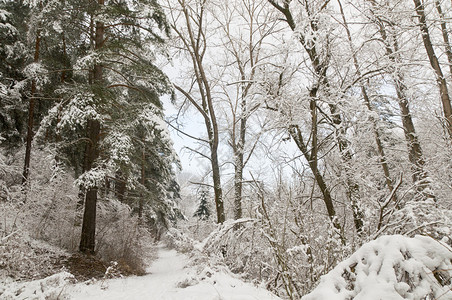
point(391, 267)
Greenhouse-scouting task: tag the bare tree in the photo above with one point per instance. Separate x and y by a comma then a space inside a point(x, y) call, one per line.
point(189, 23)
point(433, 59)
point(319, 58)
point(391, 46)
point(244, 53)
point(367, 102)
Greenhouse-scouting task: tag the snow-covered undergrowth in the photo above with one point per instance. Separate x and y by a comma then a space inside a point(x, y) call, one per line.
point(391, 268)
point(41, 224)
point(173, 276)
point(51, 287)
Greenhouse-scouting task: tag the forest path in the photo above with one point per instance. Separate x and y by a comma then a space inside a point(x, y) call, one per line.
point(171, 277)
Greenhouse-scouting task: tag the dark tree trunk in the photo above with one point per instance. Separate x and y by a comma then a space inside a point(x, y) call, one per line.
point(120, 186)
point(87, 242)
point(440, 80)
point(358, 215)
point(219, 205)
point(415, 155)
point(31, 110)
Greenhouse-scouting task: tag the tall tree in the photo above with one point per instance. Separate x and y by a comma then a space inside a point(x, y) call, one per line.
point(87, 241)
point(367, 102)
point(114, 87)
point(245, 51)
point(415, 154)
point(14, 56)
point(434, 62)
point(31, 106)
point(317, 49)
point(189, 21)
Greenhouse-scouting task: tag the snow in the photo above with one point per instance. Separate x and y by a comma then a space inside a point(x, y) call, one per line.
point(172, 276)
point(391, 267)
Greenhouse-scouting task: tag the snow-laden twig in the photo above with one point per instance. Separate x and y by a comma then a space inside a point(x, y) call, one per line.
point(5, 239)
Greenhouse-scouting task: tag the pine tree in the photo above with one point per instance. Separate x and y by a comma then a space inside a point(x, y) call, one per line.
point(13, 56)
point(203, 211)
point(110, 101)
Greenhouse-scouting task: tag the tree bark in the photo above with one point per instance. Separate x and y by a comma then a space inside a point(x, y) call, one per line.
point(87, 242)
point(415, 155)
point(440, 80)
point(195, 44)
point(320, 69)
point(31, 110)
point(143, 177)
point(239, 165)
point(358, 215)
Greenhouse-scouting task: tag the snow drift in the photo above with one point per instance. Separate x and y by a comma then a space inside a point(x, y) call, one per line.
point(390, 268)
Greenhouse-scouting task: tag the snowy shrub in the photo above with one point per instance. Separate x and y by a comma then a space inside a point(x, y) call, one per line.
point(52, 213)
point(391, 267)
point(176, 239)
point(49, 288)
point(22, 257)
point(421, 217)
point(120, 237)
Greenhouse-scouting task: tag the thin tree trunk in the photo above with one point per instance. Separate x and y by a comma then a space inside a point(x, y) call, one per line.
point(415, 155)
point(378, 142)
point(440, 80)
point(320, 69)
point(141, 201)
point(296, 134)
point(194, 42)
point(238, 149)
point(445, 34)
point(31, 110)
point(87, 242)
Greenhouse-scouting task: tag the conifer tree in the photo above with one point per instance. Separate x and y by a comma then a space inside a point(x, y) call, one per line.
point(203, 211)
point(113, 94)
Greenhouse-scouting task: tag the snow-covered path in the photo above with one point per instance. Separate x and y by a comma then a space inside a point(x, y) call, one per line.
point(169, 278)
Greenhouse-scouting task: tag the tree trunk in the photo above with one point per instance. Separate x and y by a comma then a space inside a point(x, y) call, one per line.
point(238, 149)
point(445, 33)
point(87, 242)
point(219, 205)
point(195, 43)
point(440, 80)
point(415, 155)
point(358, 215)
point(120, 186)
point(312, 161)
point(143, 174)
point(320, 69)
point(31, 110)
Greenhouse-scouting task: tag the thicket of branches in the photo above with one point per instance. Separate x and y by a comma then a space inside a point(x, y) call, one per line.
point(334, 126)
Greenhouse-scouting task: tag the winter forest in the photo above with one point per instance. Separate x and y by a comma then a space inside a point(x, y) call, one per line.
point(243, 149)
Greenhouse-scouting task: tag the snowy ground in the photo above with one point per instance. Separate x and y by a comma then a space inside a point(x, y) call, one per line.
point(171, 277)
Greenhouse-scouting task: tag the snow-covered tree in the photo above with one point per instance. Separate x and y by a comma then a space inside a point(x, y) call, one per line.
point(110, 110)
point(203, 210)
